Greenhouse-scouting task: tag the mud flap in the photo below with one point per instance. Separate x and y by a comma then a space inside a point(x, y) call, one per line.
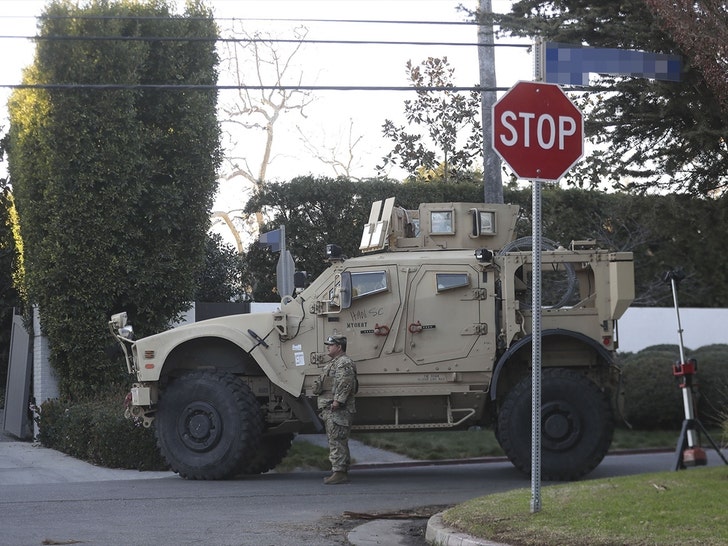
point(310, 412)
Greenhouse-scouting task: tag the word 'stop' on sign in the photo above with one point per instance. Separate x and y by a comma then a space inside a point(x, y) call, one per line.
point(538, 131)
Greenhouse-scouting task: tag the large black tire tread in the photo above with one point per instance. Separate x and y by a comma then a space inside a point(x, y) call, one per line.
point(273, 449)
point(576, 429)
point(208, 425)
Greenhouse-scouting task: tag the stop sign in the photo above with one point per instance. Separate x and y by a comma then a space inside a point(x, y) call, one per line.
point(538, 131)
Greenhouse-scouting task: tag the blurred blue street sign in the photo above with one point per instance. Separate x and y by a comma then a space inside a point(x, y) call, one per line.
point(271, 239)
point(571, 64)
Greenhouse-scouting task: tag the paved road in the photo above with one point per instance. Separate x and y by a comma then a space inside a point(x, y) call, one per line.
point(273, 509)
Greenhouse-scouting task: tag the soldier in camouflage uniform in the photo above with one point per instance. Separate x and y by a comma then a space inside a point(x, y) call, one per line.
point(336, 389)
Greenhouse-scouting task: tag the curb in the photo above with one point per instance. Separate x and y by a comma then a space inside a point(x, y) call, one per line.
point(440, 535)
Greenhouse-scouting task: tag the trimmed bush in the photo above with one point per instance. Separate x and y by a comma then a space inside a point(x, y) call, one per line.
point(653, 398)
point(97, 432)
point(712, 381)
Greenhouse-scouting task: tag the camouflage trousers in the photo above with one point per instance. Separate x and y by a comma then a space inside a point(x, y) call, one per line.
point(338, 429)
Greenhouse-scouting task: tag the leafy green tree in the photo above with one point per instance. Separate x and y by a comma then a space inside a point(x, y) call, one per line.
point(114, 186)
point(437, 120)
point(316, 212)
point(221, 279)
point(700, 28)
point(664, 232)
point(320, 211)
point(647, 134)
point(10, 299)
point(685, 233)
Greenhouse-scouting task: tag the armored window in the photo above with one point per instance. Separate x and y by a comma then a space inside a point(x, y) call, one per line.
point(487, 223)
point(442, 222)
point(448, 281)
point(368, 283)
point(483, 222)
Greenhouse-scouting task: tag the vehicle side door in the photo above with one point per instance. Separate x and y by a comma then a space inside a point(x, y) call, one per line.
point(443, 313)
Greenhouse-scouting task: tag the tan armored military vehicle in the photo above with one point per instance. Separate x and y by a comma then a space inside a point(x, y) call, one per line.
point(437, 315)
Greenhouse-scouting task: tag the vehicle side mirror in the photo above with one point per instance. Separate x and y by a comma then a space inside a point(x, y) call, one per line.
point(344, 288)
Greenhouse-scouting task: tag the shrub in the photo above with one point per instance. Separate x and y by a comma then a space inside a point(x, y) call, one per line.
point(96, 431)
point(712, 381)
point(653, 398)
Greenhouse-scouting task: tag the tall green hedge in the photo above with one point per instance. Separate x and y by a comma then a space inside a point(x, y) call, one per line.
point(10, 299)
point(113, 186)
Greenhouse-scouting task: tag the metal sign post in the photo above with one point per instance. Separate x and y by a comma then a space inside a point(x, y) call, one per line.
point(539, 133)
point(285, 268)
point(536, 229)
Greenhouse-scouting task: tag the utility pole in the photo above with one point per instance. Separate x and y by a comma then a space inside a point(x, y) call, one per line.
point(492, 178)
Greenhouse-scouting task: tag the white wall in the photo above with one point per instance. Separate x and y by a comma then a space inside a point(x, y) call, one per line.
point(642, 327)
point(45, 380)
point(189, 315)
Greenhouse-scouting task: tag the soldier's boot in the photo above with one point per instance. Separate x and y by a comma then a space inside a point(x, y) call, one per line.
point(336, 478)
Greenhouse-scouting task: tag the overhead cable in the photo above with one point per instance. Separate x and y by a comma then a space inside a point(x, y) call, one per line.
point(236, 19)
point(253, 40)
point(215, 87)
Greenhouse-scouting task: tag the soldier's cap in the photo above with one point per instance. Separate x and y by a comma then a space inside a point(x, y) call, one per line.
point(335, 340)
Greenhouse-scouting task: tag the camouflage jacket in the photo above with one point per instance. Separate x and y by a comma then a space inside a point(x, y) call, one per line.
point(338, 382)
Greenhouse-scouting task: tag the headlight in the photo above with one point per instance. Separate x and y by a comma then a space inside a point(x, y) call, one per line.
point(483, 255)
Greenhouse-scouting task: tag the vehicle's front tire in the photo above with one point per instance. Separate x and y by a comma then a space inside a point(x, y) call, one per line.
point(273, 449)
point(577, 425)
point(208, 425)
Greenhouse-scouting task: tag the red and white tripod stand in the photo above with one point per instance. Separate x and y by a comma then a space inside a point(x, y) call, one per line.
point(688, 451)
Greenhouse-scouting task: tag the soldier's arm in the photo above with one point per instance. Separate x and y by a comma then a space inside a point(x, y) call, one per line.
point(344, 384)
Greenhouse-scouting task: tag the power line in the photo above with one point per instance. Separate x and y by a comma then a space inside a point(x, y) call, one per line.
point(356, 21)
point(240, 19)
point(253, 40)
point(215, 87)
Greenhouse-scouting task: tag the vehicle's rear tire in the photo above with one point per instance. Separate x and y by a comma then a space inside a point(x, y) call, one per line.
point(208, 425)
point(577, 425)
point(272, 451)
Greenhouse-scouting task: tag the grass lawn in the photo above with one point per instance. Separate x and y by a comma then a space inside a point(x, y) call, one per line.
point(688, 507)
point(482, 443)
point(683, 508)
point(430, 446)
point(669, 508)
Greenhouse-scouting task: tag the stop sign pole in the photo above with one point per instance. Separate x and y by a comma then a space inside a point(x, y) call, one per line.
point(536, 244)
point(539, 133)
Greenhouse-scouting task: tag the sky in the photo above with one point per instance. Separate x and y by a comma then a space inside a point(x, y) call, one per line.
point(332, 115)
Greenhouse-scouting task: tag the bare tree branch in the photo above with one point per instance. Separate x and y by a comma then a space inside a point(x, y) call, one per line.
point(332, 155)
point(265, 61)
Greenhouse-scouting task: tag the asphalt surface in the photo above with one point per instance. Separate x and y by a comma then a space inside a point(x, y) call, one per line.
point(25, 463)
